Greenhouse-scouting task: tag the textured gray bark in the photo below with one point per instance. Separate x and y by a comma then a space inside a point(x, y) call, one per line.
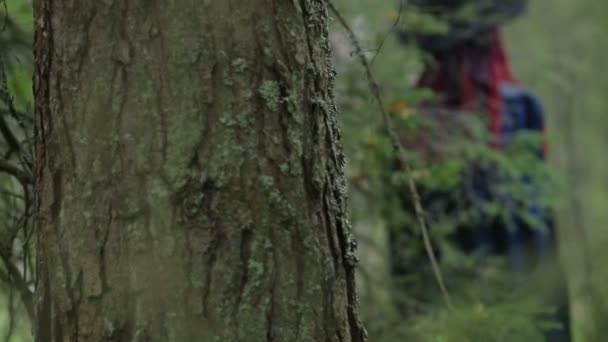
point(189, 174)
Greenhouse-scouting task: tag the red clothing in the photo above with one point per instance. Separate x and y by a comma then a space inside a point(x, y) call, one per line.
point(469, 78)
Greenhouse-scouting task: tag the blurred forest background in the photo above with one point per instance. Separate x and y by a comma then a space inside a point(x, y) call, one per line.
point(558, 49)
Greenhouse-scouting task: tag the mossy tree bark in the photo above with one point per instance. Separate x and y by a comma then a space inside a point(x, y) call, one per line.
point(189, 174)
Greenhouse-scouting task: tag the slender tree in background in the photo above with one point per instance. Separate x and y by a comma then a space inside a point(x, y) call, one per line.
point(189, 174)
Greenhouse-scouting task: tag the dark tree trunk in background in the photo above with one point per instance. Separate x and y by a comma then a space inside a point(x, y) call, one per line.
point(189, 174)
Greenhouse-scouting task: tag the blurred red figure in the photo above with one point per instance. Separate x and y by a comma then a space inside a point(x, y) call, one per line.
point(471, 73)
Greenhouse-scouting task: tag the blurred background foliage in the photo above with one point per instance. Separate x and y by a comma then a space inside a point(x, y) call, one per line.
point(16, 154)
point(558, 49)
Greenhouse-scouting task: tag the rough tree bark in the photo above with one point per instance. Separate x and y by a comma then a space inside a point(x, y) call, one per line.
point(189, 174)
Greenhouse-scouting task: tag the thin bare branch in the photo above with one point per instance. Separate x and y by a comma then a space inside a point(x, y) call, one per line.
point(399, 152)
point(15, 171)
point(19, 282)
point(392, 29)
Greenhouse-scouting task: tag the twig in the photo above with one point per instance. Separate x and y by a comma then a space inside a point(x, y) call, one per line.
point(393, 27)
point(5, 19)
point(10, 138)
point(5, 96)
point(18, 173)
point(11, 316)
point(399, 152)
point(20, 284)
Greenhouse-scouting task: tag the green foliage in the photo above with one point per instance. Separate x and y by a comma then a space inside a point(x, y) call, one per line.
point(487, 308)
point(15, 108)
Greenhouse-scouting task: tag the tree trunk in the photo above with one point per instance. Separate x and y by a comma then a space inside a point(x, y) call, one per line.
point(189, 174)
